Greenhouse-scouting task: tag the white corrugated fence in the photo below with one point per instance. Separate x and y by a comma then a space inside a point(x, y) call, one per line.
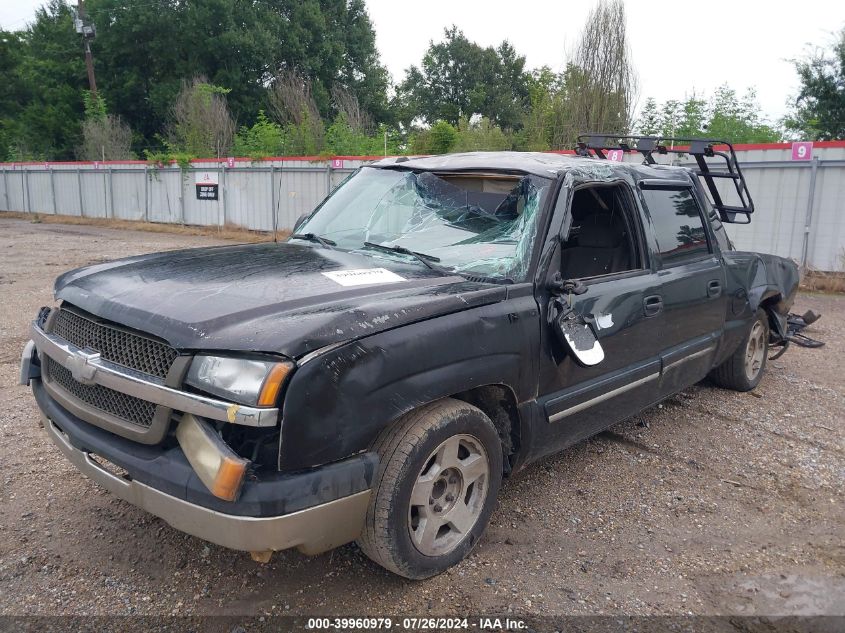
point(800, 204)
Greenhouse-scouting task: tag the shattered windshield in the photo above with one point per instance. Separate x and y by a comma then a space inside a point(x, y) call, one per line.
point(478, 224)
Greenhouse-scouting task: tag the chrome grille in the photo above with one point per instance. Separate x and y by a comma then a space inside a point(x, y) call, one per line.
point(118, 404)
point(115, 344)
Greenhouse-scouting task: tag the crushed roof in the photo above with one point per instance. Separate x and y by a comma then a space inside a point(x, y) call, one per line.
point(537, 163)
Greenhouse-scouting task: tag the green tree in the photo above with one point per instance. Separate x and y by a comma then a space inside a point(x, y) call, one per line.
point(648, 122)
point(145, 50)
point(43, 75)
point(15, 92)
point(344, 140)
point(262, 139)
point(480, 134)
point(738, 120)
point(438, 139)
point(362, 72)
point(670, 117)
point(724, 116)
point(459, 78)
point(819, 109)
point(693, 118)
point(544, 86)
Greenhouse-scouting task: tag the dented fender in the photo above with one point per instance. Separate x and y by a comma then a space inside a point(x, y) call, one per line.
point(758, 279)
point(339, 401)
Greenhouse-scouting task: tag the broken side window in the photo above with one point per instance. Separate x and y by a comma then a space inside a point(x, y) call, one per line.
point(603, 237)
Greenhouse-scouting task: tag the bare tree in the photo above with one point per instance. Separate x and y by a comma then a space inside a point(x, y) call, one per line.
point(105, 137)
point(201, 122)
point(292, 104)
point(600, 84)
point(346, 104)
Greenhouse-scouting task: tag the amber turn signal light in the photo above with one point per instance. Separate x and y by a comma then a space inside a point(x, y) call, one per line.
point(273, 384)
point(230, 475)
point(217, 466)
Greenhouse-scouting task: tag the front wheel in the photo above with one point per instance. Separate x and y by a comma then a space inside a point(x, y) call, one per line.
point(439, 473)
point(743, 370)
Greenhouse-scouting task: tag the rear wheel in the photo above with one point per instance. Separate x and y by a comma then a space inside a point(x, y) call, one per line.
point(743, 370)
point(439, 472)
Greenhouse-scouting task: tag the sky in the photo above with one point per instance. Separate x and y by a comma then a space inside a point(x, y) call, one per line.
point(678, 46)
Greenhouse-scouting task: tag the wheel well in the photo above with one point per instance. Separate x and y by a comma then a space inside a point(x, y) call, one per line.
point(769, 306)
point(498, 402)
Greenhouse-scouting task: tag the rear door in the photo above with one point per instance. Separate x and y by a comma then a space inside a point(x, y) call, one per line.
point(692, 283)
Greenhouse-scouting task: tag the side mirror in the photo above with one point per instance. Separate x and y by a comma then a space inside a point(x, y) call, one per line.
point(558, 286)
point(299, 221)
point(575, 333)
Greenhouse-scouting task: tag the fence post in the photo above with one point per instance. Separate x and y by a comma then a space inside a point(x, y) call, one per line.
point(25, 183)
point(111, 193)
point(287, 198)
point(221, 171)
point(273, 214)
point(6, 188)
point(224, 191)
point(105, 194)
point(182, 193)
point(79, 188)
point(53, 191)
point(146, 194)
point(808, 217)
point(328, 177)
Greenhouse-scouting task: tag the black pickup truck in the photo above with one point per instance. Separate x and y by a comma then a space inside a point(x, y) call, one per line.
point(435, 324)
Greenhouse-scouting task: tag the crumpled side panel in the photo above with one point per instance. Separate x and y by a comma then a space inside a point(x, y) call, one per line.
point(766, 279)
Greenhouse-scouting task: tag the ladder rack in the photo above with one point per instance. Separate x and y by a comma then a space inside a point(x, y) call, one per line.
point(596, 144)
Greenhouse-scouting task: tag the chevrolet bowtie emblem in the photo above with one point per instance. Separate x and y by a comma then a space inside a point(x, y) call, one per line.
point(81, 368)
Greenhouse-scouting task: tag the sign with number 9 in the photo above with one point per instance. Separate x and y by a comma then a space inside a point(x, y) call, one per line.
point(802, 150)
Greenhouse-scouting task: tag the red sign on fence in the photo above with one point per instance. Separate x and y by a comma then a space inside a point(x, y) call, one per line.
point(337, 163)
point(802, 150)
point(615, 155)
point(230, 162)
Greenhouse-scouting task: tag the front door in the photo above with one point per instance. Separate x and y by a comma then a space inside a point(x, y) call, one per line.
point(604, 248)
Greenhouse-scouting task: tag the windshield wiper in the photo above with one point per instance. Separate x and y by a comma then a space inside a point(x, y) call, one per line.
point(421, 257)
point(313, 237)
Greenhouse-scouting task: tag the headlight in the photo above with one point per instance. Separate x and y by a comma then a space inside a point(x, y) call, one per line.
point(245, 381)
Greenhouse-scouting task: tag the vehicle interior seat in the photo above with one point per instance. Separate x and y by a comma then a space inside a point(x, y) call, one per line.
point(602, 247)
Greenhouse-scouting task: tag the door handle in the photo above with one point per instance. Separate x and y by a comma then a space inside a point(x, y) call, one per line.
point(714, 288)
point(653, 305)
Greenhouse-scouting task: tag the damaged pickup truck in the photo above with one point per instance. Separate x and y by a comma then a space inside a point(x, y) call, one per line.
point(435, 324)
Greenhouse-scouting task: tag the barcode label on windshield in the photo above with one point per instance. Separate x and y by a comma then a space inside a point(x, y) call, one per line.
point(364, 276)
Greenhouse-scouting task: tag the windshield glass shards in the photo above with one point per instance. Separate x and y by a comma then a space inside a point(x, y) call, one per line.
point(477, 224)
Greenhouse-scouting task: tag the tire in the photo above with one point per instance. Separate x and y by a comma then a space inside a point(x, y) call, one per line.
point(448, 456)
point(743, 370)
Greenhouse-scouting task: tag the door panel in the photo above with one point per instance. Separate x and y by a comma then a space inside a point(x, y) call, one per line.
point(580, 401)
point(693, 320)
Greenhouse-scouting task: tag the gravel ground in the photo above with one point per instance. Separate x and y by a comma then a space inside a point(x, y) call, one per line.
point(712, 503)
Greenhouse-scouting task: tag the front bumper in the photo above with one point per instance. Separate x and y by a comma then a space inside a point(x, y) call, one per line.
point(312, 510)
point(311, 530)
point(91, 369)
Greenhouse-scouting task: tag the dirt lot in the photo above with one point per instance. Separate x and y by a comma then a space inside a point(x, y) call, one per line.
point(712, 503)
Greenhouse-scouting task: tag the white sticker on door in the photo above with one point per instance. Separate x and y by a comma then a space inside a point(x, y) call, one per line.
point(363, 276)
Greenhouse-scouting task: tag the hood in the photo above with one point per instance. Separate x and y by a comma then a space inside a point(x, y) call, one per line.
point(282, 298)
